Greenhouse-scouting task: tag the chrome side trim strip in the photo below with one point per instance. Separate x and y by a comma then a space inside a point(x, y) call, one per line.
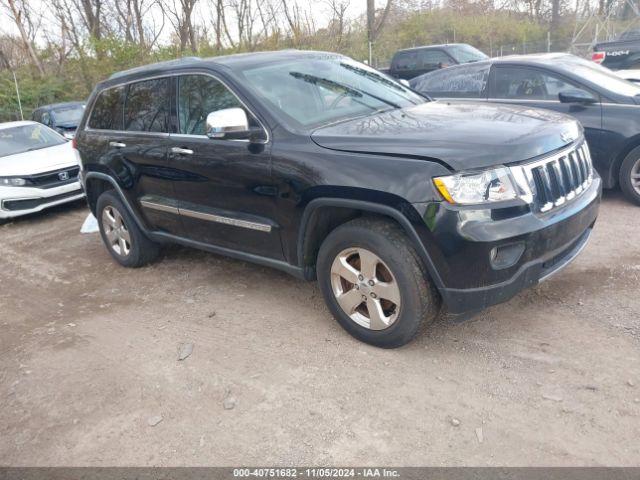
point(210, 217)
point(226, 220)
point(159, 206)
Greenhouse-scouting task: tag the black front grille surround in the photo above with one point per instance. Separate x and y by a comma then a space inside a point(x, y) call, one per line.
point(556, 179)
point(55, 178)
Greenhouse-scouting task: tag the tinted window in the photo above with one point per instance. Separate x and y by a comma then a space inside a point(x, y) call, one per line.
point(456, 82)
point(107, 111)
point(198, 96)
point(406, 61)
point(527, 83)
point(68, 116)
point(146, 108)
point(433, 59)
point(26, 138)
point(466, 53)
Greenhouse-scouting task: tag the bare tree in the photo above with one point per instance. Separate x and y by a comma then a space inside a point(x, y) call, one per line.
point(20, 13)
point(180, 15)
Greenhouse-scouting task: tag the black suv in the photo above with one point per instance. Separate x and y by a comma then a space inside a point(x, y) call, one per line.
point(411, 62)
point(322, 167)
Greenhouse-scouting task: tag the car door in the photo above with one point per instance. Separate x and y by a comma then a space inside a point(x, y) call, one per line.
point(130, 129)
point(223, 187)
point(535, 87)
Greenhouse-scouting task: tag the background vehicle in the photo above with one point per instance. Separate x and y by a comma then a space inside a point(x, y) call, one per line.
point(38, 169)
point(62, 117)
point(412, 62)
point(606, 105)
point(620, 54)
point(325, 168)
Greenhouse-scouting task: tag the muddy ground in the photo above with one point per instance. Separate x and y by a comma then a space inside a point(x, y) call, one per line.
point(88, 361)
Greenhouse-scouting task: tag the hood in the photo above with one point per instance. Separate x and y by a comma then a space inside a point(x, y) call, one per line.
point(464, 135)
point(38, 161)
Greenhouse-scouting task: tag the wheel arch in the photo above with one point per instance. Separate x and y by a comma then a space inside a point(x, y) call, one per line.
point(96, 183)
point(614, 171)
point(323, 215)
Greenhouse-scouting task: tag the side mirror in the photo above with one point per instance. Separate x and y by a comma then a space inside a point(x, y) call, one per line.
point(228, 123)
point(404, 82)
point(576, 96)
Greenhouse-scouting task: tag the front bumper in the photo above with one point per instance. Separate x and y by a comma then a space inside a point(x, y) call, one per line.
point(17, 201)
point(461, 246)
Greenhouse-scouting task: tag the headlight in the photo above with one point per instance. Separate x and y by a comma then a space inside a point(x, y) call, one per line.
point(12, 182)
point(473, 188)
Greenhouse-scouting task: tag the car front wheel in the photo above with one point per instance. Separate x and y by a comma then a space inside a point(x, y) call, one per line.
point(630, 176)
point(374, 283)
point(124, 240)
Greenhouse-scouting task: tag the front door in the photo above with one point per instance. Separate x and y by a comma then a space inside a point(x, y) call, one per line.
point(533, 87)
point(223, 188)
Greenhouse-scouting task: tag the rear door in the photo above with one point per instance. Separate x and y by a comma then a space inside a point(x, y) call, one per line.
point(129, 129)
point(535, 87)
point(223, 188)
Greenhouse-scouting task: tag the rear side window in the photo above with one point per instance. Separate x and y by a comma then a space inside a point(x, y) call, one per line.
point(198, 96)
point(456, 82)
point(434, 59)
point(146, 108)
point(406, 61)
point(107, 111)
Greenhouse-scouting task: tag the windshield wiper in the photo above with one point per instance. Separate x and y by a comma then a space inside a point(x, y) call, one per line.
point(333, 85)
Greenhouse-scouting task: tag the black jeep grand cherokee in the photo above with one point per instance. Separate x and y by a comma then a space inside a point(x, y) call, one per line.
point(322, 167)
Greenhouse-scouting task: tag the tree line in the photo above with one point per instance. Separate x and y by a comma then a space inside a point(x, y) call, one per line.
point(60, 48)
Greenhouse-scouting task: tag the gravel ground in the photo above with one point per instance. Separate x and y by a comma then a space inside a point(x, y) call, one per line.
point(89, 369)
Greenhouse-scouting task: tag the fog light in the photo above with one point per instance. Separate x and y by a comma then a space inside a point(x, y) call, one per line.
point(506, 256)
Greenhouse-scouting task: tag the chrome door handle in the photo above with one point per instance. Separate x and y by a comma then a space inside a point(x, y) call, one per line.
point(181, 151)
point(117, 144)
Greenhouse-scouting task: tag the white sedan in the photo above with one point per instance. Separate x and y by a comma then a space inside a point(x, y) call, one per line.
point(38, 169)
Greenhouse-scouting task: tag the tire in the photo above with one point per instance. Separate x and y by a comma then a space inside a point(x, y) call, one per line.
point(631, 166)
point(399, 290)
point(124, 240)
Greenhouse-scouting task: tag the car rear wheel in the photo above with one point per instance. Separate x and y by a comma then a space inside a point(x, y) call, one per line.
point(630, 176)
point(374, 283)
point(124, 240)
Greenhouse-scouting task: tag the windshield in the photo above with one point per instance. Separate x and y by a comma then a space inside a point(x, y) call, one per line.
point(25, 138)
point(601, 76)
point(68, 116)
point(466, 53)
point(306, 93)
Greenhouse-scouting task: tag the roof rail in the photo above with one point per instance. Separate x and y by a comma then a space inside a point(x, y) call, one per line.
point(142, 68)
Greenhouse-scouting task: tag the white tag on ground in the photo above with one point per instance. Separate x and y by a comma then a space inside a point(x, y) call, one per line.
point(90, 225)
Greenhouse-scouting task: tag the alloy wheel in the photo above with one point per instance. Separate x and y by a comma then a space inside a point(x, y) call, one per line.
point(118, 237)
point(365, 288)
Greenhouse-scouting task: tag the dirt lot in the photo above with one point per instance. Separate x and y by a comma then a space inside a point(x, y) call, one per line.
point(88, 356)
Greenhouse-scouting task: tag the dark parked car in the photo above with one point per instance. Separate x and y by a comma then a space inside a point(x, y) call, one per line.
point(620, 54)
point(607, 106)
point(62, 117)
point(325, 168)
point(409, 63)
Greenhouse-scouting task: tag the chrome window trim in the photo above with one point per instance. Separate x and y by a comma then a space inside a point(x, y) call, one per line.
point(167, 134)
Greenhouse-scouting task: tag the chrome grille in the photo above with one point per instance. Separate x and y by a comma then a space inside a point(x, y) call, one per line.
point(555, 180)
